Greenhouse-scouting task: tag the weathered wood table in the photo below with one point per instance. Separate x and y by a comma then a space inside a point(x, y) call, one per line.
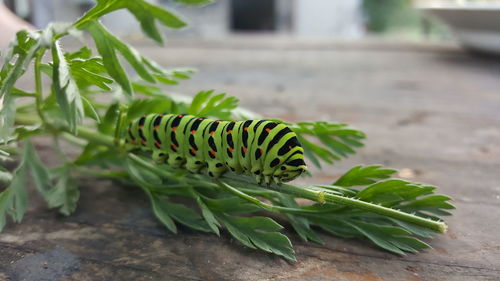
point(433, 111)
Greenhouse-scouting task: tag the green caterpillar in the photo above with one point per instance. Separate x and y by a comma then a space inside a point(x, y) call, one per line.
point(268, 150)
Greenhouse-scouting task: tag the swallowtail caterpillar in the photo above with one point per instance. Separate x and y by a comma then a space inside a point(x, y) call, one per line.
point(267, 150)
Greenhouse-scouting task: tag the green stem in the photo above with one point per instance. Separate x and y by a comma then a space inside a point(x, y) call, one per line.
point(73, 140)
point(38, 84)
point(93, 136)
point(302, 192)
point(260, 203)
point(82, 132)
point(116, 175)
point(322, 197)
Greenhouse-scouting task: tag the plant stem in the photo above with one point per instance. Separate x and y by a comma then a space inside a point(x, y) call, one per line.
point(93, 136)
point(82, 132)
point(257, 202)
point(116, 175)
point(38, 84)
point(321, 197)
point(302, 192)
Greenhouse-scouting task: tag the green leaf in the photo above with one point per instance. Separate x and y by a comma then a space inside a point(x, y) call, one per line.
point(161, 213)
point(393, 239)
point(23, 49)
point(21, 93)
point(108, 123)
point(206, 104)
point(88, 71)
point(335, 226)
point(141, 107)
point(101, 156)
point(108, 45)
point(38, 170)
point(108, 54)
point(334, 140)
point(393, 191)
point(83, 53)
point(169, 76)
point(65, 194)
point(323, 153)
point(21, 53)
point(147, 14)
point(363, 175)
point(259, 232)
point(300, 224)
point(14, 198)
point(209, 217)
point(23, 132)
point(165, 211)
point(431, 203)
point(5, 177)
point(141, 175)
point(417, 230)
point(66, 90)
point(90, 110)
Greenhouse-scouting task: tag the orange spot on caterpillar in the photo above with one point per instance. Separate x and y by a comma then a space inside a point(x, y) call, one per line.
point(246, 128)
point(193, 132)
point(245, 149)
point(193, 151)
point(200, 118)
point(143, 142)
point(174, 147)
point(157, 144)
point(261, 151)
point(289, 147)
point(180, 115)
point(212, 152)
point(174, 129)
point(156, 127)
point(141, 126)
point(212, 133)
point(229, 132)
point(230, 149)
point(268, 130)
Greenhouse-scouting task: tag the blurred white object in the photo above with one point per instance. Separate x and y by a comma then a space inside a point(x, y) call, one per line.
point(475, 25)
point(326, 18)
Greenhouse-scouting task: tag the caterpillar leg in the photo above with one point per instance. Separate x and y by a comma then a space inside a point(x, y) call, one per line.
point(277, 180)
point(268, 179)
point(194, 165)
point(175, 160)
point(258, 179)
point(159, 156)
point(216, 169)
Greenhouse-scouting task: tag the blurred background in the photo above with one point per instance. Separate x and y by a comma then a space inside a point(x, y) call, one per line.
point(346, 19)
point(399, 70)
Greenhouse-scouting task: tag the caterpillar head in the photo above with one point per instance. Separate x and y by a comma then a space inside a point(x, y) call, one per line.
point(292, 168)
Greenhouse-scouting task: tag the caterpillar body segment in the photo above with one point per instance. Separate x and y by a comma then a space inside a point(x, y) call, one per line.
point(267, 150)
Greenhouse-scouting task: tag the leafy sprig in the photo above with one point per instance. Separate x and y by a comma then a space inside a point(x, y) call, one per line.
point(365, 202)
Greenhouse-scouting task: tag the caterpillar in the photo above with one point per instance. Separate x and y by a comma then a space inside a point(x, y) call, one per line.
point(267, 150)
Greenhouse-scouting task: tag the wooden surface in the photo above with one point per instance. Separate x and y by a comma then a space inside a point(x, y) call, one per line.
point(432, 111)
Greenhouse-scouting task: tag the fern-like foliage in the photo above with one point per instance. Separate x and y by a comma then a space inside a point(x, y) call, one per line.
point(365, 202)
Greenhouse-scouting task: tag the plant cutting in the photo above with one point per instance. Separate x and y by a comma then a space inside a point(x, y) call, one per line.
point(365, 202)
